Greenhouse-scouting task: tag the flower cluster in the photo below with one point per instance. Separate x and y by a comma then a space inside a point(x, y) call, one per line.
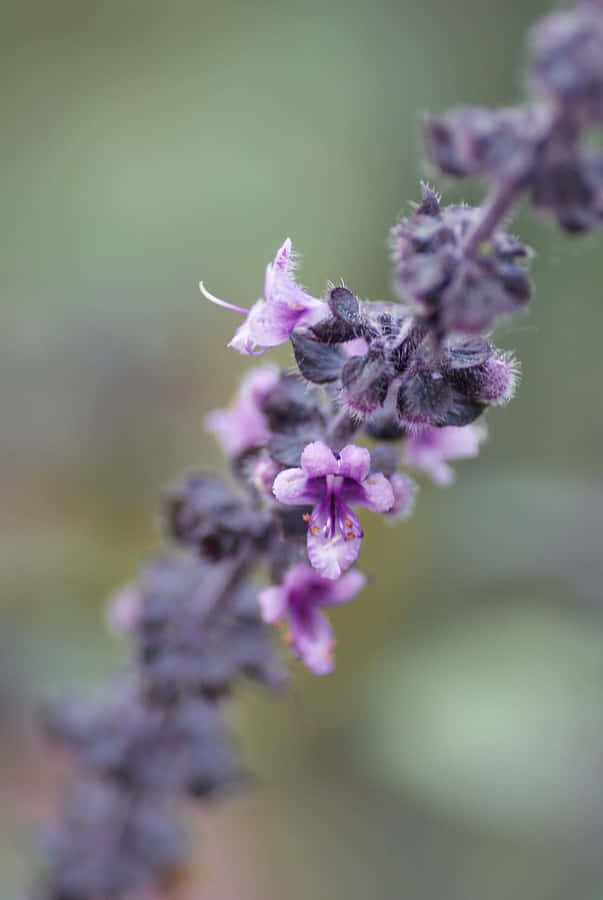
point(414, 374)
point(379, 388)
point(196, 627)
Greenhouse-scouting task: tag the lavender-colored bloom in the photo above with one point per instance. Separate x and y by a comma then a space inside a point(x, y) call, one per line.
point(299, 601)
point(284, 307)
point(243, 426)
point(332, 485)
point(430, 449)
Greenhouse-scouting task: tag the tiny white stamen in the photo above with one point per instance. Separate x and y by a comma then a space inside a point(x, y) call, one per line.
point(219, 302)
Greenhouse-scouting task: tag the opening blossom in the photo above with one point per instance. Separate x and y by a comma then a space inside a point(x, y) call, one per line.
point(284, 307)
point(430, 448)
point(243, 426)
point(298, 601)
point(332, 485)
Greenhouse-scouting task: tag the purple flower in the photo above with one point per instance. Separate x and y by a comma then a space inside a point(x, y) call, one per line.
point(430, 448)
point(299, 600)
point(405, 490)
point(284, 307)
point(332, 485)
point(243, 425)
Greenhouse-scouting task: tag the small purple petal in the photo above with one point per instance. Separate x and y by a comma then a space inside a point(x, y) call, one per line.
point(405, 490)
point(345, 588)
point(318, 460)
point(294, 488)
point(244, 426)
point(283, 260)
point(500, 377)
point(313, 640)
point(298, 600)
point(375, 493)
point(273, 604)
point(354, 462)
point(430, 448)
point(244, 342)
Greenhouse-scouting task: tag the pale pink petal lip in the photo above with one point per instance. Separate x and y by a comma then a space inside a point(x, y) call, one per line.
point(333, 547)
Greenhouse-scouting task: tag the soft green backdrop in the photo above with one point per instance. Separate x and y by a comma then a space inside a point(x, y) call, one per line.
point(457, 751)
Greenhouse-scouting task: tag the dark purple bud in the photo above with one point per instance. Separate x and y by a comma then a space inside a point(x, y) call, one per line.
point(567, 61)
point(344, 306)
point(484, 290)
point(365, 382)
point(430, 202)
point(568, 184)
point(293, 404)
point(492, 382)
point(459, 291)
point(318, 362)
point(466, 353)
point(428, 398)
point(334, 331)
point(204, 514)
point(480, 141)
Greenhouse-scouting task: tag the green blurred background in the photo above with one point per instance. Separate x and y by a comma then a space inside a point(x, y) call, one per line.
point(457, 750)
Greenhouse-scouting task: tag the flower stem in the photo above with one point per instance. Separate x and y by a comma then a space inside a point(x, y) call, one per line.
point(496, 208)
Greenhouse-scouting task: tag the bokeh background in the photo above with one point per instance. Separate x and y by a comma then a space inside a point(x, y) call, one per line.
point(457, 750)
